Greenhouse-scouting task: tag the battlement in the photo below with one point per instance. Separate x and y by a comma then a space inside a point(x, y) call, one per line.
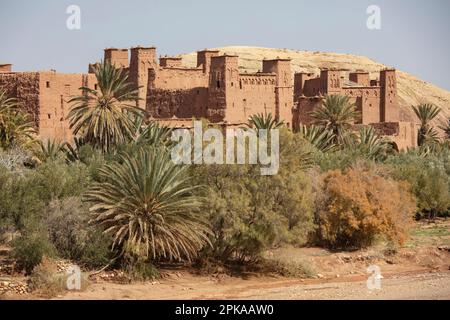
point(117, 57)
point(215, 89)
point(170, 62)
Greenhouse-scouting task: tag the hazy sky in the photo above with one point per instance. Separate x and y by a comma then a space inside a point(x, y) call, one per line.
point(414, 35)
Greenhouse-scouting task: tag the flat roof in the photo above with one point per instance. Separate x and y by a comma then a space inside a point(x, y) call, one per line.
point(171, 58)
point(208, 50)
point(109, 49)
point(278, 59)
point(140, 47)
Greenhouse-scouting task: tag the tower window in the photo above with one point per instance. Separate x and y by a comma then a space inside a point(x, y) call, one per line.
point(95, 86)
point(49, 115)
point(47, 84)
point(218, 83)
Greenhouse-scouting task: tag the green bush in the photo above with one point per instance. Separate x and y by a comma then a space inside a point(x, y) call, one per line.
point(249, 213)
point(67, 222)
point(30, 248)
point(57, 179)
point(140, 270)
point(429, 178)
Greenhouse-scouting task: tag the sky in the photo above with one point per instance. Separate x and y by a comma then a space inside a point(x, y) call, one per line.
point(414, 34)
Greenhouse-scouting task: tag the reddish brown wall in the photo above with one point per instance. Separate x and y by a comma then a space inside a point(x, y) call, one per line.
point(56, 90)
point(25, 88)
point(117, 57)
point(389, 99)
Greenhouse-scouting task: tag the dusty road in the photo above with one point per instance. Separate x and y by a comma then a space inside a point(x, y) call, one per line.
point(413, 285)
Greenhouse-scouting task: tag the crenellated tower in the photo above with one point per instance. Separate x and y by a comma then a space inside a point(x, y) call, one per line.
point(284, 92)
point(142, 59)
point(389, 100)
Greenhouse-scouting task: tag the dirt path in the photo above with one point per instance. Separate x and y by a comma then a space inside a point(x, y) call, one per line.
point(411, 285)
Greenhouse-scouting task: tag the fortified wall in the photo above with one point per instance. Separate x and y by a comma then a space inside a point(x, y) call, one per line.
point(215, 90)
point(375, 99)
point(45, 95)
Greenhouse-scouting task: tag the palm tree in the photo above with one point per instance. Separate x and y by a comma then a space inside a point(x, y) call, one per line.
point(103, 117)
point(426, 113)
point(446, 129)
point(336, 114)
point(372, 145)
point(6, 106)
point(16, 129)
point(150, 134)
point(149, 206)
point(264, 121)
point(319, 137)
point(50, 150)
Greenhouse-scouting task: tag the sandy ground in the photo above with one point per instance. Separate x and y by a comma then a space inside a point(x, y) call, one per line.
point(429, 285)
point(418, 270)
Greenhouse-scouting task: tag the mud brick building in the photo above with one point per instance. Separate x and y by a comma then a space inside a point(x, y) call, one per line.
point(215, 90)
point(375, 99)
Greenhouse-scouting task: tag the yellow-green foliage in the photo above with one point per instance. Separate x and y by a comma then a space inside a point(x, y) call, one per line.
point(360, 205)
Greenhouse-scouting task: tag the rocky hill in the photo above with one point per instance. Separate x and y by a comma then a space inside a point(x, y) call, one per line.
point(412, 91)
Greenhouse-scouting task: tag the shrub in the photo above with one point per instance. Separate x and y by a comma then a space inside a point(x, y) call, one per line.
point(249, 212)
point(67, 222)
point(56, 179)
point(140, 270)
point(360, 205)
point(30, 248)
point(295, 269)
point(46, 281)
point(18, 202)
point(429, 179)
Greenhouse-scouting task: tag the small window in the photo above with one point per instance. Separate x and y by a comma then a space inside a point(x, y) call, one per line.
point(240, 84)
point(198, 91)
point(47, 84)
point(95, 86)
point(49, 115)
point(218, 83)
point(231, 83)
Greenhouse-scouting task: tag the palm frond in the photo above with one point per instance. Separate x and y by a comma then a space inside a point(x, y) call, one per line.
point(264, 121)
point(149, 205)
point(319, 137)
point(103, 117)
point(337, 114)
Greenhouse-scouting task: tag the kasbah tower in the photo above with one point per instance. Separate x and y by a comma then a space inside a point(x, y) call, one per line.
point(214, 90)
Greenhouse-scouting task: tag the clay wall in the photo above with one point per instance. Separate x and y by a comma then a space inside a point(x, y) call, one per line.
point(56, 89)
point(302, 112)
point(367, 101)
point(142, 59)
point(24, 86)
point(117, 57)
point(361, 78)
point(252, 94)
point(403, 134)
point(299, 83)
point(389, 99)
point(170, 62)
point(178, 92)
